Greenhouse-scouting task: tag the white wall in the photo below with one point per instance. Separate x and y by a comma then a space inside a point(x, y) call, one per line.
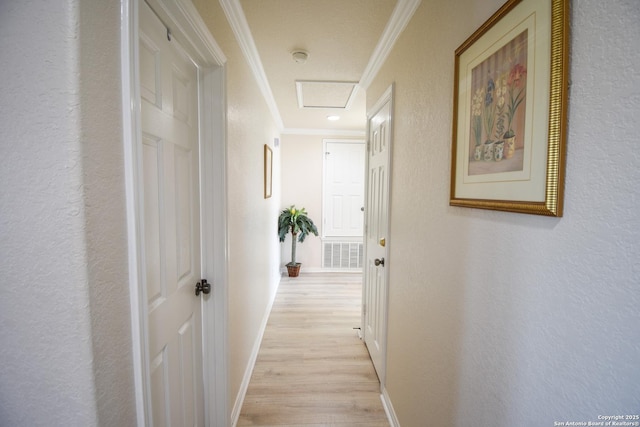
point(65, 345)
point(506, 319)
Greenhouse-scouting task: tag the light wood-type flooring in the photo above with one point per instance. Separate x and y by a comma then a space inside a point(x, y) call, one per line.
point(312, 369)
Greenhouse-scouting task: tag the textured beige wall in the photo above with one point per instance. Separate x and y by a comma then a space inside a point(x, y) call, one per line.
point(302, 164)
point(498, 318)
point(421, 360)
point(426, 287)
point(302, 186)
point(253, 241)
point(65, 337)
point(104, 212)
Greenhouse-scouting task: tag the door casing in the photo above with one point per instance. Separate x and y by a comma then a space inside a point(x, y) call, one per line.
point(182, 17)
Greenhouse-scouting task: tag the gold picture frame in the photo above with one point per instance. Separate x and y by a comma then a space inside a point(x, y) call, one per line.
point(510, 108)
point(268, 171)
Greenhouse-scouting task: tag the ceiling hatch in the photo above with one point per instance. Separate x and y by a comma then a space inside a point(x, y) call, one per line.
point(325, 94)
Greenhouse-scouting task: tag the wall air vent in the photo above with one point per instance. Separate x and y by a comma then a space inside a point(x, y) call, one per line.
point(342, 255)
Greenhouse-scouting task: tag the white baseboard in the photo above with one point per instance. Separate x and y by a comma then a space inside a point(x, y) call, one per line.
point(237, 407)
point(388, 408)
point(283, 270)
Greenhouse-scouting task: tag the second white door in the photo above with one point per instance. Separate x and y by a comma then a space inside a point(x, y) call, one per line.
point(343, 188)
point(376, 234)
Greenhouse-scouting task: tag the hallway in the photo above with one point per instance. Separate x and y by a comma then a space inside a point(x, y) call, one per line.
point(312, 369)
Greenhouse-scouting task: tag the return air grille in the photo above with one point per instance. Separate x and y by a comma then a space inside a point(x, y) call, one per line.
point(343, 255)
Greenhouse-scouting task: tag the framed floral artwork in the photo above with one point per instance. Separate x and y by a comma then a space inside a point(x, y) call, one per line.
point(509, 114)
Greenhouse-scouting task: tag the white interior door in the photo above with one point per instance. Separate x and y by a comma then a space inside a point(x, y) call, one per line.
point(343, 188)
point(376, 234)
point(171, 224)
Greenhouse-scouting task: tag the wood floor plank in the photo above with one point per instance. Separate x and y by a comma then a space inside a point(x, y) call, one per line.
point(312, 369)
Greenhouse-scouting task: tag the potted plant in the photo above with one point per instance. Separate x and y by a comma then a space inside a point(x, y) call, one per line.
point(300, 226)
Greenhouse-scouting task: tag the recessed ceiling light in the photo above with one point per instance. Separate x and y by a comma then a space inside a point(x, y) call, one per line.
point(333, 118)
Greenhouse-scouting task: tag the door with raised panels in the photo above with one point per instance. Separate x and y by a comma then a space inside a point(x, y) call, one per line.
point(376, 235)
point(343, 188)
point(171, 226)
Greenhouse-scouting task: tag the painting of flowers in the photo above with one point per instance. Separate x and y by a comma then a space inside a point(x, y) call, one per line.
point(510, 109)
point(498, 92)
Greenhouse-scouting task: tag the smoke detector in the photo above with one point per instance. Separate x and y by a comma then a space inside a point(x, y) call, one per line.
point(300, 56)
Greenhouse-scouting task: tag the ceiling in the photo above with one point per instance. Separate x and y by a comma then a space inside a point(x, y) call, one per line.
point(347, 42)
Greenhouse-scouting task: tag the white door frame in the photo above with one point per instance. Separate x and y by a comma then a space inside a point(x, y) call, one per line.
point(185, 22)
point(387, 96)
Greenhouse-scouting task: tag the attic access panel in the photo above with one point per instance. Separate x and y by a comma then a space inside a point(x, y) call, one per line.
point(325, 94)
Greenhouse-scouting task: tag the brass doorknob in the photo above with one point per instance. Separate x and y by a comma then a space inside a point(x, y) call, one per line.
point(379, 261)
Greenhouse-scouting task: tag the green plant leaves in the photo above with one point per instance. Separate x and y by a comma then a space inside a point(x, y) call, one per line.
point(296, 222)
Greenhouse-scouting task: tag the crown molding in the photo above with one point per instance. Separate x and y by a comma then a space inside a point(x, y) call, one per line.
point(237, 20)
point(400, 17)
point(323, 132)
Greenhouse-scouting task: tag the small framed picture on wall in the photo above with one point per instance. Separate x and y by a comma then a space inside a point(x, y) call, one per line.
point(268, 171)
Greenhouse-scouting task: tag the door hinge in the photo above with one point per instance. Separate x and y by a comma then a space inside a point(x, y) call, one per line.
point(364, 309)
